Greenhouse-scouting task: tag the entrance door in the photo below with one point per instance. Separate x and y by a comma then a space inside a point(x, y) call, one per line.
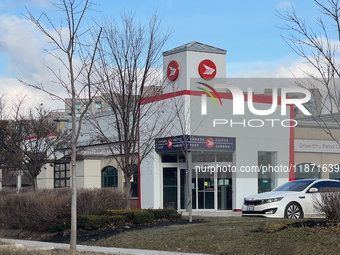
point(170, 187)
point(206, 186)
point(224, 191)
point(212, 190)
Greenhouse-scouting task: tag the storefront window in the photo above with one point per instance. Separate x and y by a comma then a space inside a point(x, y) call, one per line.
point(181, 158)
point(224, 157)
point(334, 172)
point(266, 160)
point(203, 157)
point(172, 158)
point(307, 171)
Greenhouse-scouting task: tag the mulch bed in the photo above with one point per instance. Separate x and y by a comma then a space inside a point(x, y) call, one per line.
point(84, 235)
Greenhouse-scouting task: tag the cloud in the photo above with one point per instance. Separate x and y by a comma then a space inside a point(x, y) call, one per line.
point(281, 68)
point(284, 5)
point(288, 67)
point(22, 45)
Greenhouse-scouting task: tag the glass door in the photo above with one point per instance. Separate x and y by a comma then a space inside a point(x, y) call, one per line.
point(224, 191)
point(206, 186)
point(170, 187)
point(183, 188)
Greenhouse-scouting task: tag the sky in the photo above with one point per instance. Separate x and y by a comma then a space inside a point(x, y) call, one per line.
point(248, 30)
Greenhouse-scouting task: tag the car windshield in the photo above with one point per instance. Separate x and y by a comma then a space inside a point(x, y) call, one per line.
point(294, 185)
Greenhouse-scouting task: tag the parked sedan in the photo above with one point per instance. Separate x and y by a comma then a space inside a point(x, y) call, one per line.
point(293, 199)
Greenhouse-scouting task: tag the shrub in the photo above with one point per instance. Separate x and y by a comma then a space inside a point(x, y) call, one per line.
point(34, 211)
point(93, 201)
point(51, 207)
point(142, 217)
point(126, 214)
point(163, 213)
point(327, 202)
point(90, 222)
point(117, 218)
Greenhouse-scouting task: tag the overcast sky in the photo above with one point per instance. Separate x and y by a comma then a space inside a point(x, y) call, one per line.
point(247, 29)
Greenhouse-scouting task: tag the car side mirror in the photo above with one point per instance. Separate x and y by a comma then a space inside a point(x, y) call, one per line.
point(313, 190)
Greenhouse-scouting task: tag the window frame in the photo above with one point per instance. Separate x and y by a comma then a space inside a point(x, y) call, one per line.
point(64, 175)
point(104, 182)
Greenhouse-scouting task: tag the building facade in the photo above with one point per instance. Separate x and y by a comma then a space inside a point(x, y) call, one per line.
point(224, 150)
point(216, 150)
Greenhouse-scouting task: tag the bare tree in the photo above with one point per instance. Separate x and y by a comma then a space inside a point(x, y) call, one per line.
point(129, 77)
point(77, 58)
point(29, 139)
point(319, 49)
point(5, 154)
point(183, 128)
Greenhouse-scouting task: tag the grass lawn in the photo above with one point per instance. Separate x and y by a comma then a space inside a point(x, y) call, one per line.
point(232, 235)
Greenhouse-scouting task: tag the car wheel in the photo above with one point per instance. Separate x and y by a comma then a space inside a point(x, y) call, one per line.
point(293, 211)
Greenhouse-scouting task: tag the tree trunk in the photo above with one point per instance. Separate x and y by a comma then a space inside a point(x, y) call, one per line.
point(189, 193)
point(73, 241)
point(35, 184)
point(128, 189)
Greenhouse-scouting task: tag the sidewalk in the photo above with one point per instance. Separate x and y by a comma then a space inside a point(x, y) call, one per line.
point(34, 245)
point(214, 214)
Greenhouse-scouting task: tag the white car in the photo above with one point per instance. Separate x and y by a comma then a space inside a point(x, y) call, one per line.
point(293, 199)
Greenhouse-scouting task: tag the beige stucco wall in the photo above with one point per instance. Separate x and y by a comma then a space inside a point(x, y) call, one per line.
point(315, 133)
point(88, 173)
point(46, 177)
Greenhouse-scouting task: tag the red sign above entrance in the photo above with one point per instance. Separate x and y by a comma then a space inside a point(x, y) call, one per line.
point(173, 70)
point(170, 143)
point(207, 69)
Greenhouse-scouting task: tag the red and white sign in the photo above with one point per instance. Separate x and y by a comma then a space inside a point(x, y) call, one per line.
point(173, 70)
point(131, 178)
point(207, 69)
point(170, 143)
point(210, 142)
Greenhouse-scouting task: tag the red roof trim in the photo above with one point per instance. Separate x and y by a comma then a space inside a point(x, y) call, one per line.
point(35, 137)
point(256, 98)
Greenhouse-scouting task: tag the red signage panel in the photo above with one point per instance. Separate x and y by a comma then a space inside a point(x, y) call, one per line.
point(173, 70)
point(207, 69)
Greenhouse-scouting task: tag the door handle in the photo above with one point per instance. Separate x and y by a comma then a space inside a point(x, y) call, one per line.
point(302, 197)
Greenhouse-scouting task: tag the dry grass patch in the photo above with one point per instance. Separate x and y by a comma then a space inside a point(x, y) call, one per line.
point(232, 235)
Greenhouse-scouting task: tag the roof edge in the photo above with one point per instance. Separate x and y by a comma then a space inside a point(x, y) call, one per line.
point(191, 47)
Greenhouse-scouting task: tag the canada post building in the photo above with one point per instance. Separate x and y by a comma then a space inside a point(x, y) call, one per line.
point(219, 144)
